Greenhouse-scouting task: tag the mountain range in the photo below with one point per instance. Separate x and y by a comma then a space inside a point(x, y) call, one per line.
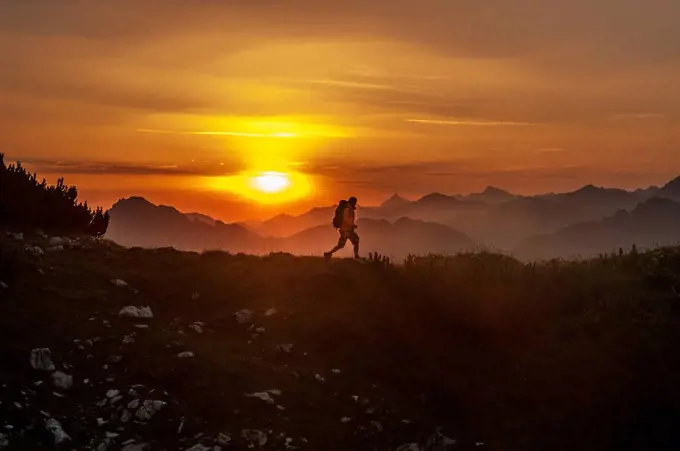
point(583, 222)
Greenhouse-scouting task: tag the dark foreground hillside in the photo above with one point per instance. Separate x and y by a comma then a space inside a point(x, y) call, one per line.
point(493, 354)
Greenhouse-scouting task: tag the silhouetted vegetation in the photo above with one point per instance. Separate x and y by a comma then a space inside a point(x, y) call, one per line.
point(27, 203)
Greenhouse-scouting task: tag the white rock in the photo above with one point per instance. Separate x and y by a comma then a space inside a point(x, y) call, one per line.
point(286, 347)
point(345, 420)
point(260, 330)
point(3, 285)
point(119, 283)
point(254, 437)
point(186, 355)
point(58, 241)
point(199, 447)
point(55, 249)
point(409, 447)
point(336, 371)
point(149, 409)
point(35, 251)
point(264, 396)
point(131, 311)
point(141, 326)
point(319, 378)
point(4, 441)
point(128, 340)
point(270, 312)
point(18, 236)
point(134, 404)
point(136, 447)
point(244, 316)
point(223, 439)
point(54, 427)
point(196, 328)
point(62, 380)
point(41, 359)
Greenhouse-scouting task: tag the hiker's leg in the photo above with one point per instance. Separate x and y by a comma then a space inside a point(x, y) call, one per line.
point(341, 243)
point(354, 238)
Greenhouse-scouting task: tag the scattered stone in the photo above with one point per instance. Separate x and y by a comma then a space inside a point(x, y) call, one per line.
point(196, 328)
point(119, 283)
point(112, 393)
point(335, 371)
point(264, 396)
point(243, 316)
point(4, 441)
point(270, 312)
point(128, 340)
point(38, 383)
point(136, 447)
point(254, 437)
point(41, 359)
point(186, 355)
point(126, 416)
point(223, 439)
point(106, 323)
point(58, 395)
point(18, 236)
point(62, 380)
point(409, 447)
point(134, 404)
point(54, 427)
point(260, 330)
point(149, 409)
point(35, 251)
point(199, 447)
point(345, 420)
point(141, 326)
point(131, 311)
point(287, 348)
point(55, 248)
point(319, 378)
point(3, 285)
point(377, 425)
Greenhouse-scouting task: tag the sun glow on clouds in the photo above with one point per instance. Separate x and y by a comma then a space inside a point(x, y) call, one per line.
point(264, 187)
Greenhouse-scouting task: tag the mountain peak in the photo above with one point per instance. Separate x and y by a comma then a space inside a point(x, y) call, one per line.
point(394, 201)
point(492, 190)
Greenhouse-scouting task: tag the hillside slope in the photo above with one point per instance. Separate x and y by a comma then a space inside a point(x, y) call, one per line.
point(339, 356)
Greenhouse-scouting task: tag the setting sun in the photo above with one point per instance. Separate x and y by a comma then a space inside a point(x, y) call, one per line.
point(264, 187)
point(271, 182)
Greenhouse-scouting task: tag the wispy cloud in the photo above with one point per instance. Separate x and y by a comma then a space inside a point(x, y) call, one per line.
point(218, 133)
point(636, 116)
point(475, 123)
point(105, 168)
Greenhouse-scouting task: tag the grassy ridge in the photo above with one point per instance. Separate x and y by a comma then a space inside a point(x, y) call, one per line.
point(555, 355)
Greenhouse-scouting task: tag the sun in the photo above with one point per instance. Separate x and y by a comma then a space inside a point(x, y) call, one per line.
point(271, 182)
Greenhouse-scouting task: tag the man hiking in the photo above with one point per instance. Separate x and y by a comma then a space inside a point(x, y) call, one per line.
point(344, 222)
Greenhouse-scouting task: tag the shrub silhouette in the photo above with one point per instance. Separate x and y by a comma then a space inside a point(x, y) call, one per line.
point(26, 203)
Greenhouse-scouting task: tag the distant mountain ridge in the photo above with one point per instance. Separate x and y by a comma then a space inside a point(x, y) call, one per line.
point(493, 217)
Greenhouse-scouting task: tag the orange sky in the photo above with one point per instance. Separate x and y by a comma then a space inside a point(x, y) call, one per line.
point(166, 98)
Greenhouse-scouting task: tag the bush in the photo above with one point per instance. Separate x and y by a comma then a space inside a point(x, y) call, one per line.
point(27, 203)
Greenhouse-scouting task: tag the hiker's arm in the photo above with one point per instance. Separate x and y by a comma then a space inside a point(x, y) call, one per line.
point(346, 217)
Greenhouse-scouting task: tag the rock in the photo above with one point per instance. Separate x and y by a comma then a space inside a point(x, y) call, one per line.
point(134, 404)
point(4, 441)
point(186, 355)
point(319, 378)
point(112, 393)
point(119, 283)
point(114, 358)
point(128, 340)
point(131, 311)
point(141, 326)
point(345, 420)
point(223, 439)
point(62, 380)
point(58, 241)
point(17, 236)
point(59, 248)
point(243, 316)
point(54, 427)
point(136, 447)
point(149, 409)
point(260, 330)
point(126, 416)
point(199, 447)
point(196, 328)
point(41, 359)
point(286, 347)
point(439, 442)
point(265, 396)
point(254, 437)
point(409, 447)
point(3, 285)
point(270, 312)
point(195, 296)
point(35, 251)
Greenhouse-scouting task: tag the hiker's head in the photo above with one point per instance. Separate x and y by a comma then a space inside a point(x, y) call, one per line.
point(352, 201)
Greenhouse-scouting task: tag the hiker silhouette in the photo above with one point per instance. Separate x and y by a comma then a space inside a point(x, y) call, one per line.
point(344, 222)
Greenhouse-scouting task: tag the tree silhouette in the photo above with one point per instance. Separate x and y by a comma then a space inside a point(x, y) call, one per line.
point(25, 203)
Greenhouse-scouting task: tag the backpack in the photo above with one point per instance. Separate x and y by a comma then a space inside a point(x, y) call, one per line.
point(339, 210)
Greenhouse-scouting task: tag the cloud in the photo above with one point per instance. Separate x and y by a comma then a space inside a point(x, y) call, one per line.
point(474, 123)
point(103, 168)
